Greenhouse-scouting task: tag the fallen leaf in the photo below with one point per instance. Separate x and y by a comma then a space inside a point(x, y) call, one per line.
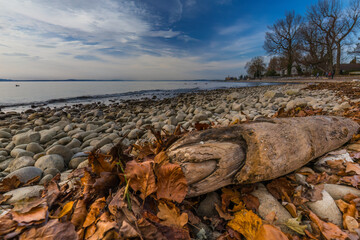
point(161, 158)
point(141, 177)
point(127, 231)
point(342, 205)
point(281, 189)
point(222, 214)
point(352, 168)
point(105, 182)
point(94, 212)
point(315, 193)
point(291, 209)
point(229, 195)
point(270, 217)
point(295, 224)
point(149, 231)
point(251, 202)
point(52, 230)
point(351, 224)
point(173, 233)
point(269, 232)
point(66, 209)
point(328, 230)
point(351, 180)
point(172, 183)
point(8, 184)
point(336, 165)
point(104, 225)
point(247, 223)
point(80, 213)
point(7, 224)
point(99, 162)
point(31, 181)
point(34, 215)
point(171, 216)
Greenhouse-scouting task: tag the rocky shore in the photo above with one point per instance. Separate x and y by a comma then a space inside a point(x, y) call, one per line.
point(47, 141)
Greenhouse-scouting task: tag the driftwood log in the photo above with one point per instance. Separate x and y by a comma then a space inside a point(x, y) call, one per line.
point(257, 151)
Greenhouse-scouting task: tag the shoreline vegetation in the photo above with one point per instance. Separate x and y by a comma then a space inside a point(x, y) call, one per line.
point(48, 150)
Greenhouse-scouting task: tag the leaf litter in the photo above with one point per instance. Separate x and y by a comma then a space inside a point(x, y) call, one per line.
point(138, 194)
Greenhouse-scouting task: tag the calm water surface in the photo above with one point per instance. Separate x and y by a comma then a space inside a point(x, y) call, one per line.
point(60, 92)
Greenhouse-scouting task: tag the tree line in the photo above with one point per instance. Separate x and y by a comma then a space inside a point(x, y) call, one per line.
point(315, 40)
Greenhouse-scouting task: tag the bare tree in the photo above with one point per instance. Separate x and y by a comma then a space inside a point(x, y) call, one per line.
point(255, 67)
point(335, 23)
point(284, 38)
point(313, 47)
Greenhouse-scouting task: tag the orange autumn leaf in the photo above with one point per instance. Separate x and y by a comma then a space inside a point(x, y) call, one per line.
point(94, 212)
point(171, 216)
point(247, 223)
point(328, 230)
point(161, 158)
point(9, 184)
point(269, 232)
point(79, 214)
point(229, 195)
point(33, 215)
point(172, 183)
point(352, 167)
point(141, 177)
point(66, 209)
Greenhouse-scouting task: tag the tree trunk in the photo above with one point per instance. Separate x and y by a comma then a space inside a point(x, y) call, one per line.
point(338, 58)
point(257, 151)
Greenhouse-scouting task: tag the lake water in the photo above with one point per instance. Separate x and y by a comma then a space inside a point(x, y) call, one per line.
point(55, 93)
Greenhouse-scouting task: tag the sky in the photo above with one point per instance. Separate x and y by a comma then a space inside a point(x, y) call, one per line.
point(134, 39)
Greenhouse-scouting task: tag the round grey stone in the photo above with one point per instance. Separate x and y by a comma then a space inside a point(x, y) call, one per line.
point(63, 151)
point(50, 161)
point(26, 173)
point(34, 147)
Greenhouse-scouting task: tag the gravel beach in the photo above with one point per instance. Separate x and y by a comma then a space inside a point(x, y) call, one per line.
point(49, 141)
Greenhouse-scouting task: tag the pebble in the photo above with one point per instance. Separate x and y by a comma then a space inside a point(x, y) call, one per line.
point(23, 193)
point(50, 161)
point(326, 209)
point(26, 173)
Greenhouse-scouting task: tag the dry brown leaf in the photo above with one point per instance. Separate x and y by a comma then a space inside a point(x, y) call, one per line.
point(342, 205)
point(141, 177)
point(352, 168)
point(281, 189)
point(103, 226)
point(161, 158)
point(66, 209)
point(7, 224)
point(350, 224)
point(100, 162)
point(171, 216)
point(315, 193)
point(328, 230)
point(271, 217)
point(222, 214)
point(291, 209)
point(251, 202)
point(8, 184)
point(336, 165)
point(149, 231)
point(229, 195)
point(79, 214)
point(351, 180)
point(52, 230)
point(94, 212)
point(33, 215)
point(247, 223)
point(172, 183)
point(269, 232)
point(127, 231)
